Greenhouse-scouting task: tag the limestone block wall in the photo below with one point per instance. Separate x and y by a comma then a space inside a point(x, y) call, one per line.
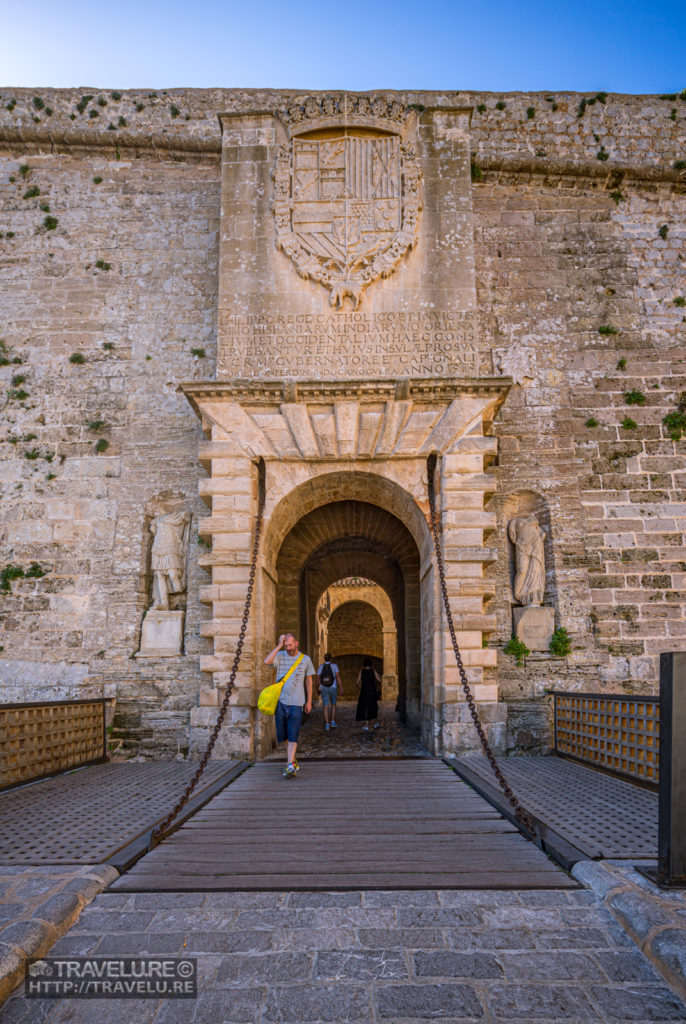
point(102, 309)
point(124, 273)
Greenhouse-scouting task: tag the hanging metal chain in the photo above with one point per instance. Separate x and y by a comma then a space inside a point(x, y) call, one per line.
point(519, 811)
point(159, 833)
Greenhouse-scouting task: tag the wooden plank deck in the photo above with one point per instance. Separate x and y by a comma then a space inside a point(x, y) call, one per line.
point(345, 825)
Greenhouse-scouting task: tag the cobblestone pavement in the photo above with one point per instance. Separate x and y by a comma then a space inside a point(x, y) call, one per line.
point(391, 739)
point(374, 957)
point(37, 905)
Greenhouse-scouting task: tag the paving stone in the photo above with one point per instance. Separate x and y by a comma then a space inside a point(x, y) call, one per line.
point(638, 913)
point(550, 1002)
point(453, 917)
point(555, 966)
point(362, 965)
point(12, 912)
point(36, 885)
point(627, 966)
point(668, 947)
point(26, 1011)
point(476, 897)
point(530, 917)
point(26, 936)
point(639, 1004)
point(401, 899)
point(94, 919)
point(422, 1002)
point(230, 1006)
point(193, 919)
point(329, 899)
point(80, 945)
point(457, 965)
point(598, 877)
point(160, 900)
point(312, 938)
point(229, 942)
point(269, 967)
point(393, 938)
point(58, 909)
point(151, 943)
point(544, 898)
point(236, 900)
point(573, 938)
point(490, 938)
point(323, 1002)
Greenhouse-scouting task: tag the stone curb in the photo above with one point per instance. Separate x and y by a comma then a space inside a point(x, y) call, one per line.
point(646, 913)
point(51, 919)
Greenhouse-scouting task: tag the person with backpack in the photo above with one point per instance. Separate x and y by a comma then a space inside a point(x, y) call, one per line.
point(329, 687)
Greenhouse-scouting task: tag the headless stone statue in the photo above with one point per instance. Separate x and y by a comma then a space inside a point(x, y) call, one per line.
point(527, 537)
point(168, 560)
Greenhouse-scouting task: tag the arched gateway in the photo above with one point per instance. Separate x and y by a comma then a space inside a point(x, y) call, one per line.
point(348, 351)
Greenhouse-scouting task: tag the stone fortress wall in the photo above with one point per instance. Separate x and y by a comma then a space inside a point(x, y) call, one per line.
point(125, 274)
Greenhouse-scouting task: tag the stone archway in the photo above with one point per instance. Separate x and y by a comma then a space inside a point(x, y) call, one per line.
point(347, 538)
point(360, 590)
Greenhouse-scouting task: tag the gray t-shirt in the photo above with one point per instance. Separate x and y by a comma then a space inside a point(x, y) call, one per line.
point(293, 691)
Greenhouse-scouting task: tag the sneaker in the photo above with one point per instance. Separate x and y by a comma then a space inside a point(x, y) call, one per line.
point(296, 766)
point(290, 771)
point(327, 727)
point(334, 725)
point(365, 728)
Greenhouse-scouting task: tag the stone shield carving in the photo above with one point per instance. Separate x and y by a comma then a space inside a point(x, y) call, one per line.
point(347, 209)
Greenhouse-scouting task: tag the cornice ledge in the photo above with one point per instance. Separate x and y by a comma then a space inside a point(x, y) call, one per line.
point(277, 392)
point(67, 138)
point(613, 172)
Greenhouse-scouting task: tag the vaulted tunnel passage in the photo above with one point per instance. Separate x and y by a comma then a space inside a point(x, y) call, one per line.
point(354, 538)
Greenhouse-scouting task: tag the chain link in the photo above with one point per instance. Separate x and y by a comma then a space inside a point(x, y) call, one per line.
point(161, 831)
point(519, 811)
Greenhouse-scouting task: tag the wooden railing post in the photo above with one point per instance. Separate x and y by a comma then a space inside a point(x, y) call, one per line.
point(671, 843)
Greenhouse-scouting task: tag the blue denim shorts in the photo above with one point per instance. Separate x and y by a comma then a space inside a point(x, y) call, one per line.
point(288, 718)
point(328, 695)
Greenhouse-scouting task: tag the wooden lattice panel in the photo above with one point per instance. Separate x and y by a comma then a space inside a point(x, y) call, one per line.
point(621, 734)
point(40, 739)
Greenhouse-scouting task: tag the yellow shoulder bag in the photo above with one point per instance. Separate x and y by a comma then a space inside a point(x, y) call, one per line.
point(269, 697)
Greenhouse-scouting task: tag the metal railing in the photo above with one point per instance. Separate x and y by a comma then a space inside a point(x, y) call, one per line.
point(616, 732)
point(44, 738)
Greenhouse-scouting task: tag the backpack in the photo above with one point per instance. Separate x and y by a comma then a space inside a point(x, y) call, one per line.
point(327, 677)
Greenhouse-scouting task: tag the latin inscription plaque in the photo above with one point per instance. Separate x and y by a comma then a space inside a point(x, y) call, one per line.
point(350, 343)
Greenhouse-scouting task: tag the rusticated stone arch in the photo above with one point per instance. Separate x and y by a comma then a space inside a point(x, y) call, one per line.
point(362, 592)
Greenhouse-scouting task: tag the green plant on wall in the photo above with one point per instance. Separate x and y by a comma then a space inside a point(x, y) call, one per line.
point(634, 397)
point(675, 421)
point(560, 643)
point(516, 649)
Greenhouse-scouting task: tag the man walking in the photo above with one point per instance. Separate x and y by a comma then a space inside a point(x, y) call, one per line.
point(297, 672)
point(330, 687)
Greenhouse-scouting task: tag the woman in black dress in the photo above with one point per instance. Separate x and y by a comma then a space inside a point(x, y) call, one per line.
point(368, 680)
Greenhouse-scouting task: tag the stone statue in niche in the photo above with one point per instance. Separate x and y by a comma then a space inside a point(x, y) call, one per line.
point(168, 559)
point(162, 630)
point(534, 622)
point(527, 537)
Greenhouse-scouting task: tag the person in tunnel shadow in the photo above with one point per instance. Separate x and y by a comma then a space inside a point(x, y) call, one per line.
point(369, 681)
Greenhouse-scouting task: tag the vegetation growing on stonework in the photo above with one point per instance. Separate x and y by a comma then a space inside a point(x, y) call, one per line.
point(11, 105)
point(174, 111)
point(481, 109)
point(203, 542)
point(122, 122)
point(101, 265)
point(97, 180)
point(19, 395)
point(634, 397)
point(45, 207)
point(500, 105)
point(607, 329)
point(530, 113)
point(108, 346)
point(591, 421)
point(94, 113)
point(517, 649)
point(7, 574)
point(38, 103)
point(617, 196)
point(77, 358)
point(621, 364)
point(629, 424)
point(96, 426)
point(679, 165)
point(602, 154)
point(675, 422)
point(17, 380)
point(34, 571)
point(475, 170)
point(24, 170)
point(199, 352)
point(680, 300)
point(116, 96)
point(663, 231)
point(32, 454)
point(102, 445)
point(560, 643)
point(50, 223)
point(31, 192)
point(83, 103)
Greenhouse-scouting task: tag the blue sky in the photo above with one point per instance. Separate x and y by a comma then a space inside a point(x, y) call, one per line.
point(499, 46)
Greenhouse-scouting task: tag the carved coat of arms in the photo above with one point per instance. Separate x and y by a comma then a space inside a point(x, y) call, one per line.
point(346, 209)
